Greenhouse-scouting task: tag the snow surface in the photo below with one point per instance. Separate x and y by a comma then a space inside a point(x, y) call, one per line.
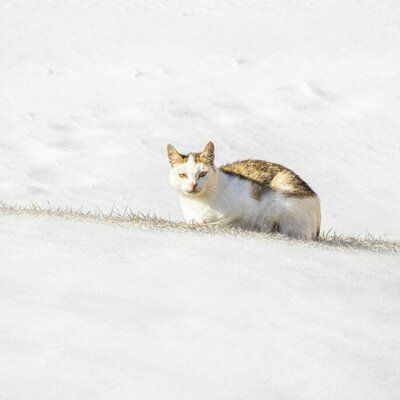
point(90, 94)
point(96, 311)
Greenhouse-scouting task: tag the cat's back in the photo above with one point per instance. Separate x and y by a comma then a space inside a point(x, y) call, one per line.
point(267, 176)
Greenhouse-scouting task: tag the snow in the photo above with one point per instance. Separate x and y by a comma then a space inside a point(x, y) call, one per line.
point(90, 95)
point(93, 311)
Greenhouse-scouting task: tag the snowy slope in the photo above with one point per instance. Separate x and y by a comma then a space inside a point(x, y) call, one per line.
point(91, 92)
point(96, 311)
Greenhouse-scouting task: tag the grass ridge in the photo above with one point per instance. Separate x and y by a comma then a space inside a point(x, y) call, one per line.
point(151, 221)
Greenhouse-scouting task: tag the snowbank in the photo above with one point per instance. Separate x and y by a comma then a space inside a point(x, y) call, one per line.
point(91, 93)
point(93, 311)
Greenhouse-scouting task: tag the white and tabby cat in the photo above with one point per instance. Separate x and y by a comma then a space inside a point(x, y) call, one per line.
point(251, 194)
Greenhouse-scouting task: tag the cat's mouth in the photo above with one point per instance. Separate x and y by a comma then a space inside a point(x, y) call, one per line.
point(193, 192)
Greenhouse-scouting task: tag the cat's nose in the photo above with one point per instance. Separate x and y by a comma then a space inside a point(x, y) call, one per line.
point(194, 185)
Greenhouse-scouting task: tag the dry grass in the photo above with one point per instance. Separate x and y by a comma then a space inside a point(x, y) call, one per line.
point(130, 218)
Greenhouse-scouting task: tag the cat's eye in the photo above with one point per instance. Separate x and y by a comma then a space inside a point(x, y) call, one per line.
point(183, 176)
point(203, 174)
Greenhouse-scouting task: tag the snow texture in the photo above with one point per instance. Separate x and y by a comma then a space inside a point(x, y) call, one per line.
point(90, 94)
point(93, 311)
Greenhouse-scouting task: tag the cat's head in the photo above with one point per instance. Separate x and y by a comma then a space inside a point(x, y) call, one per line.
point(194, 173)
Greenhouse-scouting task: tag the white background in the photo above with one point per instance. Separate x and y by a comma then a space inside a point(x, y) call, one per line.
point(92, 91)
point(90, 94)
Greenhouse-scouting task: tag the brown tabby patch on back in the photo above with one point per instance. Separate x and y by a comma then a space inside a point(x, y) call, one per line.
point(266, 176)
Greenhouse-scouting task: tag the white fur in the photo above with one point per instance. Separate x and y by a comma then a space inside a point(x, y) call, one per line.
point(226, 199)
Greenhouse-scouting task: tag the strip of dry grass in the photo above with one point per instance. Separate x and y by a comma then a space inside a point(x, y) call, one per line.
point(130, 218)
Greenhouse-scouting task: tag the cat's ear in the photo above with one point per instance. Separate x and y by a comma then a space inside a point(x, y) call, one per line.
point(173, 155)
point(209, 152)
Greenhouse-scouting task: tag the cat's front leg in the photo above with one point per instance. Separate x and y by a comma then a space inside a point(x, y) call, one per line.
point(205, 215)
point(207, 219)
point(221, 220)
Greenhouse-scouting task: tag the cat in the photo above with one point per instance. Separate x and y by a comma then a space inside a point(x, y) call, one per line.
point(251, 194)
